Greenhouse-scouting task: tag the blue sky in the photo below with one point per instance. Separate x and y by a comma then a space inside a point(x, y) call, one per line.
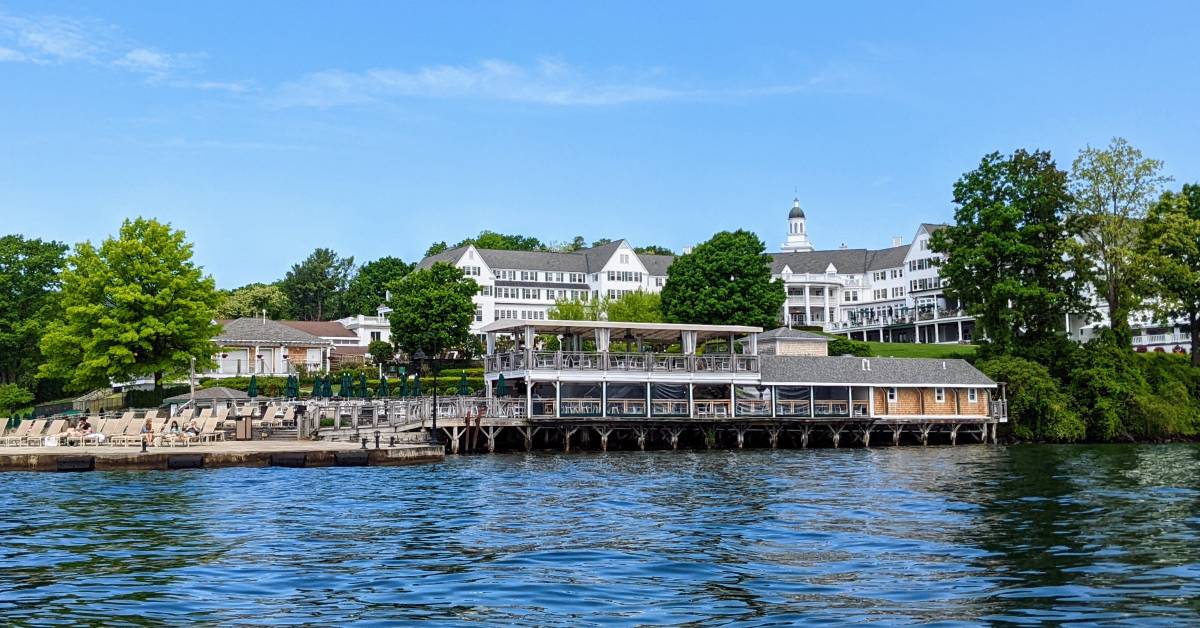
point(265, 130)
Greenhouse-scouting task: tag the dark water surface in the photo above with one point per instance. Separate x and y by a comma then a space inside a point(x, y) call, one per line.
point(971, 534)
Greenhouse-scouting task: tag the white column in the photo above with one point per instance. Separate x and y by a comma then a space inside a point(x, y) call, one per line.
point(936, 331)
point(557, 398)
point(807, 306)
point(604, 399)
point(752, 347)
point(960, 338)
point(491, 343)
point(691, 401)
point(732, 401)
point(528, 397)
point(871, 400)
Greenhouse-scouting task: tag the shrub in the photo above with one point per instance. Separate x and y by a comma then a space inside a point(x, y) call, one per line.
point(844, 346)
point(1038, 409)
point(13, 397)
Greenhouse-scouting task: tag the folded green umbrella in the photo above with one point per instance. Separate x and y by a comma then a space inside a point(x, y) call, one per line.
point(463, 389)
point(384, 390)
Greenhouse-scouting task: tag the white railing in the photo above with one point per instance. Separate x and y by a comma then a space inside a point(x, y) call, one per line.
point(621, 362)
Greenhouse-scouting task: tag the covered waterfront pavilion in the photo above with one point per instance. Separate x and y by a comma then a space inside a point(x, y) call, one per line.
point(620, 369)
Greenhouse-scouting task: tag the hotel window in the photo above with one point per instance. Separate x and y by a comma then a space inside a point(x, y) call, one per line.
point(939, 395)
point(576, 277)
point(486, 291)
point(972, 395)
point(478, 314)
point(898, 292)
point(378, 335)
point(892, 394)
point(850, 296)
point(471, 271)
point(529, 275)
point(658, 282)
point(509, 275)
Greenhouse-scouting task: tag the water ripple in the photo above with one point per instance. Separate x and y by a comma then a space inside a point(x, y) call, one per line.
point(952, 536)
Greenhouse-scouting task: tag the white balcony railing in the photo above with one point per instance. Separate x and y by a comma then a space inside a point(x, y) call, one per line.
point(621, 362)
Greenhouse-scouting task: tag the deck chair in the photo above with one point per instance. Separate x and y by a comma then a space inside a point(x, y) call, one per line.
point(19, 433)
point(222, 415)
point(54, 430)
point(268, 416)
point(82, 439)
point(289, 417)
point(204, 414)
point(113, 428)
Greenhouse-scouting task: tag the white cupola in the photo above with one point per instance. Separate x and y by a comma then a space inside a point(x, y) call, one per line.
point(797, 239)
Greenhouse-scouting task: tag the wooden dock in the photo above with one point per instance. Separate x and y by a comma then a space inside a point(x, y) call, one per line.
point(215, 455)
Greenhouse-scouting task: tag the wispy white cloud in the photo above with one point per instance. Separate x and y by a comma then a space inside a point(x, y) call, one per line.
point(8, 54)
point(150, 61)
point(52, 39)
point(547, 82)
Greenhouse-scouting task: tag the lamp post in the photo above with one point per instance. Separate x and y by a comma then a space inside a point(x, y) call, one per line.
point(419, 357)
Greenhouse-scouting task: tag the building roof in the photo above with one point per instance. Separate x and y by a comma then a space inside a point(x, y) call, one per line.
point(846, 261)
point(883, 371)
point(322, 329)
point(589, 260)
point(787, 333)
point(888, 258)
point(656, 264)
point(647, 331)
point(264, 331)
point(214, 393)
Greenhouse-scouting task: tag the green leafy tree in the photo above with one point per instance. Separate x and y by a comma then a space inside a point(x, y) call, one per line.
point(316, 286)
point(435, 248)
point(1007, 254)
point(636, 307)
point(601, 242)
point(381, 352)
point(136, 305)
point(654, 249)
point(29, 284)
point(12, 398)
point(1038, 408)
point(432, 310)
point(368, 289)
point(845, 346)
point(1113, 188)
point(726, 280)
point(250, 301)
point(503, 241)
point(570, 310)
point(1170, 250)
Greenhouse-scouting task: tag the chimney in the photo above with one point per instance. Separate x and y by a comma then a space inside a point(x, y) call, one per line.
point(897, 241)
point(943, 365)
point(866, 364)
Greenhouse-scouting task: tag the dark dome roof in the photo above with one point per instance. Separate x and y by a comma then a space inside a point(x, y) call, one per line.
point(796, 211)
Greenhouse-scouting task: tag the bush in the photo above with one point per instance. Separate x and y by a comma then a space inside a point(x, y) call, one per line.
point(844, 346)
point(13, 397)
point(1038, 409)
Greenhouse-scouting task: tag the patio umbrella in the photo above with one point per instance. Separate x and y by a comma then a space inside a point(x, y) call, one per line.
point(327, 386)
point(252, 389)
point(416, 389)
point(384, 390)
point(345, 387)
point(362, 386)
point(403, 385)
point(316, 391)
point(292, 390)
point(462, 385)
point(501, 386)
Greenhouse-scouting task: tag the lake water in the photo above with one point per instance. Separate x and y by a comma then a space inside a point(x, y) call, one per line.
point(972, 534)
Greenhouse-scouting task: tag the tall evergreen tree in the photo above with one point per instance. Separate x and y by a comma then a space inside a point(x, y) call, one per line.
point(315, 286)
point(724, 281)
point(1006, 256)
point(137, 305)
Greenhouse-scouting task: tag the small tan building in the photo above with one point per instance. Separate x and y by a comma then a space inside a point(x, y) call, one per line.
point(260, 346)
point(787, 341)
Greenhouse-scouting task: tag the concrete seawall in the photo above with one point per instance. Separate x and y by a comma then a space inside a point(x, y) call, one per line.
point(216, 455)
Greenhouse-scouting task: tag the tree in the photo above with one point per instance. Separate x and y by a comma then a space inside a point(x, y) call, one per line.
point(137, 305)
point(726, 280)
point(570, 310)
point(381, 352)
point(432, 310)
point(368, 289)
point(316, 285)
point(654, 249)
point(636, 307)
point(505, 242)
point(1170, 252)
point(1112, 189)
point(13, 398)
point(435, 248)
point(1006, 254)
point(250, 300)
point(601, 242)
point(1038, 409)
point(29, 285)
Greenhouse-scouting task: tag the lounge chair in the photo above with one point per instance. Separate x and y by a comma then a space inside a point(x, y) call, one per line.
point(54, 430)
point(223, 416)
point(17, 436)
point(133, 433)
point(268, 417)
point(212, 432)
point(289, 417)
point(81, 439)
point(112, 429)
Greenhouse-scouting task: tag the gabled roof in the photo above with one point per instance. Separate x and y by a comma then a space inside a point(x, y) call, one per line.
point(787, 333)
point(590, 260)
point(888, 258)
point(264, 331)
point(930, 227)
point(656, 264)
point(322, 329)
point(883, 371)
point(847, 261)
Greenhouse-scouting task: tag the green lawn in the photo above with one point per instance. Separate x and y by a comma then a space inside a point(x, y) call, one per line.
point(913, 350)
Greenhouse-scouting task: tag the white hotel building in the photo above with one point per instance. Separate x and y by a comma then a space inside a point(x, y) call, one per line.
point(892, 294)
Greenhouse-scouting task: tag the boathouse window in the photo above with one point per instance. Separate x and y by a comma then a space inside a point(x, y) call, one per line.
point(972, 395)
point(753, 400)
point(939, 395)
point(793, 401)
point(669, 400)
point(892, 394)
point(831, 401)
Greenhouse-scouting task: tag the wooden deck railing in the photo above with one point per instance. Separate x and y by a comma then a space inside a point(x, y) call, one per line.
point(620, 362)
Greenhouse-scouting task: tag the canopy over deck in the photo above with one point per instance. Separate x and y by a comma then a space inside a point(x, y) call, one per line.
point(650, 332)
